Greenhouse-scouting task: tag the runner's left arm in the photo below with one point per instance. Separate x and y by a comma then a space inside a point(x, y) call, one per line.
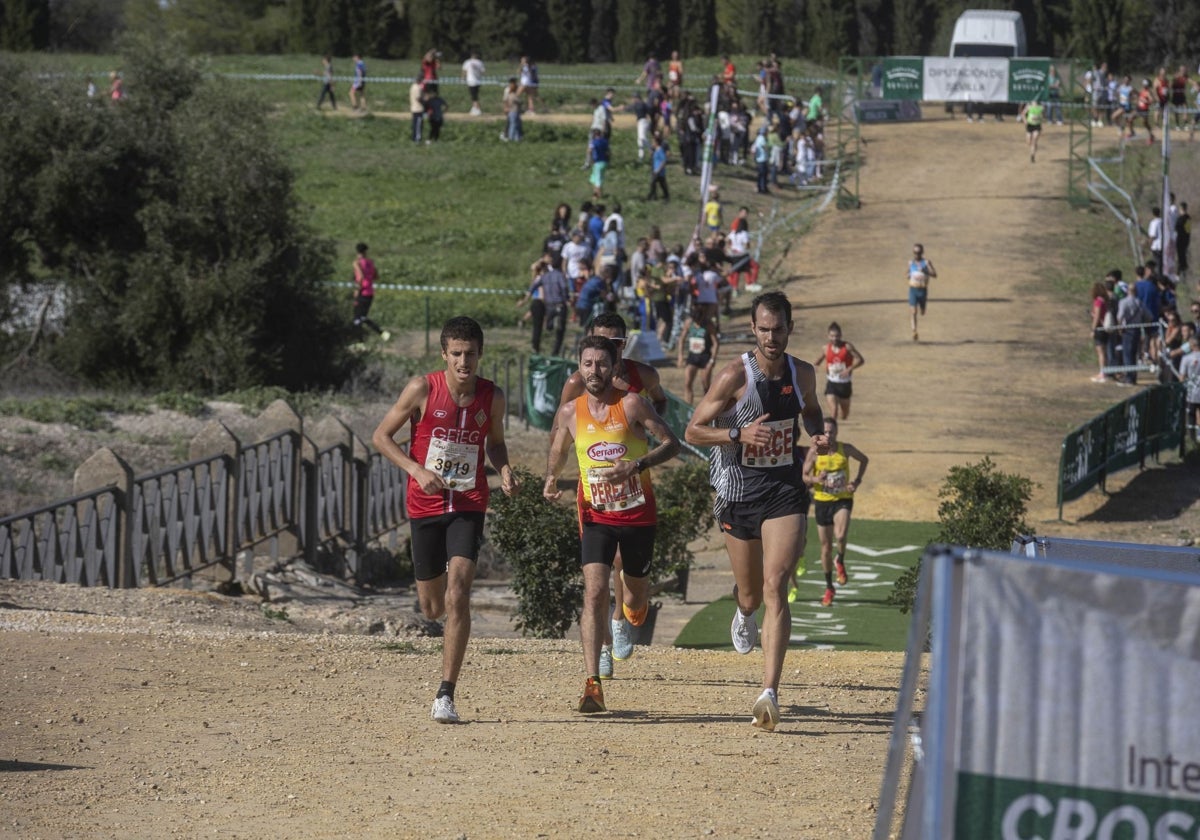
point(811, 414)
point(496, 448)
point(857, 454)
point(639, 412)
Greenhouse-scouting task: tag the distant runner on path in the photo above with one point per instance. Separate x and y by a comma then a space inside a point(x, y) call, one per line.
point(920, 270)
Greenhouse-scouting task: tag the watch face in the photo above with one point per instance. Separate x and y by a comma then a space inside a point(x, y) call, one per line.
point(735, 433)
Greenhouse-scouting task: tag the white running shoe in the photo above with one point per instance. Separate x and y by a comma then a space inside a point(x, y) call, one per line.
point(606, 663)
point(443, 710)
point(744, 630)
point(766, 711)
point(622, 633)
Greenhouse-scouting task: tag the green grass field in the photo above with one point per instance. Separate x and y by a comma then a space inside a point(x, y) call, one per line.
point(860, 617)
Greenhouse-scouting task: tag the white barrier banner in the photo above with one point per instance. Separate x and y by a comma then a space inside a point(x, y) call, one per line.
point(966, 79)
point(1078, 703)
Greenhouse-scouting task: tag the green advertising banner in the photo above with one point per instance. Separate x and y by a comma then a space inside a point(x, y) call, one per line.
point(1028, 79)
point(547, 375)
point(904, 78)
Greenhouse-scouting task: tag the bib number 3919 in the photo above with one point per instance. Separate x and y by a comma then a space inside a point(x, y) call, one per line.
point(454, 462)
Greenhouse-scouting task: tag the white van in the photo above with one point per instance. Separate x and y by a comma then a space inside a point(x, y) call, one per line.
point(981, 33)
point(984, 33)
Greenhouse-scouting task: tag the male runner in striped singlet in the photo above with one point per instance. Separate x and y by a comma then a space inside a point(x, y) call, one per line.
point(457, 417)
point(636, 378)
point(749, 418)
point(609, 430)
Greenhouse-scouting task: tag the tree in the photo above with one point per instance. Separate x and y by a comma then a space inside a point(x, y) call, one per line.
point(697, 28)
point(567, 24)
point(171, 221)
point(980, 507)
point(24, 24)
point(84, 25)
point(830, 31)
point(603, 31)
point(643, 29)
point(498, 30)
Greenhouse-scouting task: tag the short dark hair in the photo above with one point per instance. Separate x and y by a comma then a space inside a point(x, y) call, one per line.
point(599, 342)
point(833, 325)
point(361, 247)
point(462, 328)
point(610, 320)
point(772, 302)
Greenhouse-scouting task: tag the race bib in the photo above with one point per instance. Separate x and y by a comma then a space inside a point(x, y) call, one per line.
point(454, 462)
point(696, 345)
point(837, 372)
point(778, 453)
point(918, 279)
point(608, 496)
point(834, 483)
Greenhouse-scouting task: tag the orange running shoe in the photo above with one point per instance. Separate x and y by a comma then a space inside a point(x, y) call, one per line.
point(636, 617)
point(592, 701)
point(841, 573)
point(827, 598)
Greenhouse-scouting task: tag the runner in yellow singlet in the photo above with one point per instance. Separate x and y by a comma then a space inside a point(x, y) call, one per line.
point(833, 498)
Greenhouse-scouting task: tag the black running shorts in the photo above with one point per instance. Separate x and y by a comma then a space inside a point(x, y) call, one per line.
point(743, 520)
point(435, 539)
point(600, 544)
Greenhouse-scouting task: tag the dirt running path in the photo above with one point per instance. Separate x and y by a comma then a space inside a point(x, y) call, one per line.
point(151, 727)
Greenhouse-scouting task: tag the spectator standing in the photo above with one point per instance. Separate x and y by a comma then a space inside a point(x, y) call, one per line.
point(1155, 235)
point(762, 160)
point(1183, 238)
point(327, 83)
point(641, 114)
point(598, 159)
point(1131, 314)
point(512, 100)
point(1100, 311)
point(529, 82)
point(416, 108)
point(574, 252)
point(674, 77)
point(431, 63)
point(435, 113)
point(1054, 95)
point(1189, 374)
point(651, 74)
point(358, 85)
point(473, 72)
point(658, 171)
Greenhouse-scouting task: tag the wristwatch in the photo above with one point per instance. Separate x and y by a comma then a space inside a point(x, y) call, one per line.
point(735, 434)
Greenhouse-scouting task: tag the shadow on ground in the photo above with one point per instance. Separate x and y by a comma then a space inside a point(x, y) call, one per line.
point(1161, 493)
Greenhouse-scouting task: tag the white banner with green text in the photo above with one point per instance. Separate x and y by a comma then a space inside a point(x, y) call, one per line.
point(1072, 707)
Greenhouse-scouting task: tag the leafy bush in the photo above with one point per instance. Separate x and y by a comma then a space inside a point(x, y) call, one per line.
point(87, 413)
point(684, 500)
point(980, 508)
point(172, 223)
point(540, 541)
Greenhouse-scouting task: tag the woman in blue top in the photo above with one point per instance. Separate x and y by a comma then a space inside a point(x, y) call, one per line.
point(920, 270)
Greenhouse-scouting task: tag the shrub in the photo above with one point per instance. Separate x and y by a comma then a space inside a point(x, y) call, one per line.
point(980, 508)
point(540, 541)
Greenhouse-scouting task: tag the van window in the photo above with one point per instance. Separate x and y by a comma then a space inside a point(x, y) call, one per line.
point(983, 51)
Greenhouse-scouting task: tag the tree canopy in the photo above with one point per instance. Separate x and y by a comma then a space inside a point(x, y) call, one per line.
point(1128, 34)
point(169, 220)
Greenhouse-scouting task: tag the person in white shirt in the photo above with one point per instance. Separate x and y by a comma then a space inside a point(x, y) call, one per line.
point(473, 72)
